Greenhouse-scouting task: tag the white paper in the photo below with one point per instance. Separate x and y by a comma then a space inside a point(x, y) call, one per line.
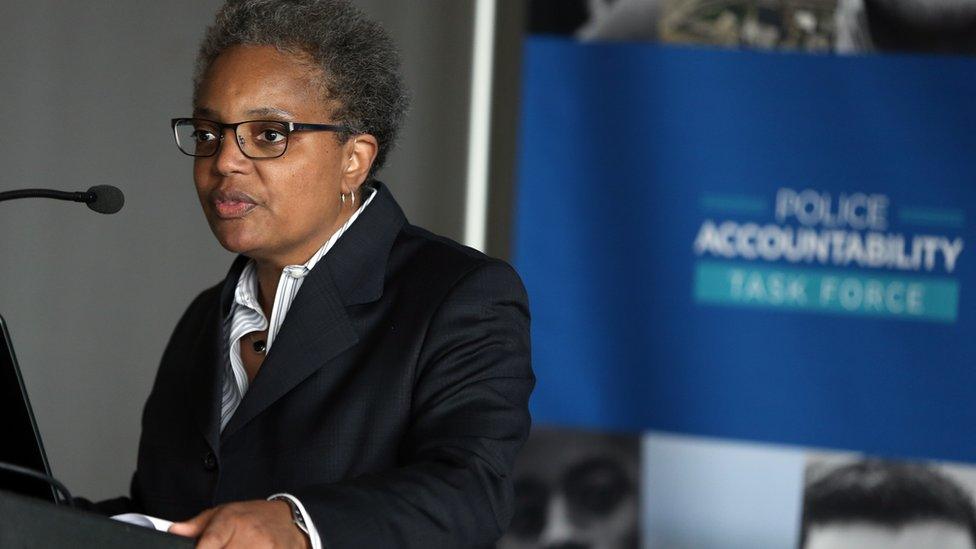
point(145, 521)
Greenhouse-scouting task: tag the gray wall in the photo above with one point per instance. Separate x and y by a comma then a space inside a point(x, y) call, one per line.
point(86, 92)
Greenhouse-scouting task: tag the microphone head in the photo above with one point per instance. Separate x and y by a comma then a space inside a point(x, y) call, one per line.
point(106, 199)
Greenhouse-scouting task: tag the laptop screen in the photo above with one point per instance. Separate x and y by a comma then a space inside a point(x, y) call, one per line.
point(21, 444)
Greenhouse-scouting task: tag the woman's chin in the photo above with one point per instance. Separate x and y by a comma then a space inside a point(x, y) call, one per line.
point(235, 241)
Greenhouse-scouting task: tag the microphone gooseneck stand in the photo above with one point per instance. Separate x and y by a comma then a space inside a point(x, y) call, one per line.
point(104, 199)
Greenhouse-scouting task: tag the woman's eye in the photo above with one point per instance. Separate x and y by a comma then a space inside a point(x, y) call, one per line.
point(202, 136)
point(272, 136)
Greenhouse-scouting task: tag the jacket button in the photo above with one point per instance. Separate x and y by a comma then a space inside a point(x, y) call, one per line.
point(209, 461)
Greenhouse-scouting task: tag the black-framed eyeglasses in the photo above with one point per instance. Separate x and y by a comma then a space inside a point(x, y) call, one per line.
point(256, 138)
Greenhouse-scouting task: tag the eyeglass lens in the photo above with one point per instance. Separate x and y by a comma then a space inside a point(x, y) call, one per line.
point(257, 139)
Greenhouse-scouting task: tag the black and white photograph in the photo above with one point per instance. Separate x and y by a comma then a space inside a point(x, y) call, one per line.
point(576, 488)
point(856, 502)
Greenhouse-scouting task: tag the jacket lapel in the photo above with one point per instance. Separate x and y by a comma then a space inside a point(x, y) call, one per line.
point(206, 371)
point(314, 332)
point(206, 382)
point(358, 260)
point(317, 328)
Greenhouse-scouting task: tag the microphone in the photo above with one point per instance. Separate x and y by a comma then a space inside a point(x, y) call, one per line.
point(104, 199)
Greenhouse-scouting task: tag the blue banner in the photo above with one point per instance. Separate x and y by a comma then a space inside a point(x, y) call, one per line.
point(758, 246)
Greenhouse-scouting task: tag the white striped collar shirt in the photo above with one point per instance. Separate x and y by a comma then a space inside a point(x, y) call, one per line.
point(246, 315)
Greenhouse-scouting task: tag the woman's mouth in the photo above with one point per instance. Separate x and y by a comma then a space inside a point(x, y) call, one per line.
point(228, 209)
point(233, 204)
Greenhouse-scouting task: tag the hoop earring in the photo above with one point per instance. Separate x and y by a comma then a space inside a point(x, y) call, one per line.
point(342, 198)
point(352, 196)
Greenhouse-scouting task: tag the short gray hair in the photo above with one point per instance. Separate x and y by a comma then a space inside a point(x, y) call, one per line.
point(359, 62)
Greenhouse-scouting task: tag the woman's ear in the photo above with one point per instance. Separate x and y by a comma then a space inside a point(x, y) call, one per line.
point(360, 153)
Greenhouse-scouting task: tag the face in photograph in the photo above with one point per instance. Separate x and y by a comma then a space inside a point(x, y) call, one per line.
point(575, 489)
point(872, 535)
point(875, 504)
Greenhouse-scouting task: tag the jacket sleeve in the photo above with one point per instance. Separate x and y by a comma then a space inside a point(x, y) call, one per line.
point(470, 417)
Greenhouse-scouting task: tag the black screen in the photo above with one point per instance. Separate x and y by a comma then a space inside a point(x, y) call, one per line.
point(21, 442)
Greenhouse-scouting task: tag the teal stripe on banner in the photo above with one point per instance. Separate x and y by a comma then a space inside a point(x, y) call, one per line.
point(826, 291)
point(733, 203)
point(932, 217)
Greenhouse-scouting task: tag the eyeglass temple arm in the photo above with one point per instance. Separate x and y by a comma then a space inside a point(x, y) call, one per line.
point(296, 126)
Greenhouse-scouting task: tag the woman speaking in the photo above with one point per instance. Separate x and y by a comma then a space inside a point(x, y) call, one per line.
point(354, 381)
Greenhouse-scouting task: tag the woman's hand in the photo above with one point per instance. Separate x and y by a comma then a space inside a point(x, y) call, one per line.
point(255, 523)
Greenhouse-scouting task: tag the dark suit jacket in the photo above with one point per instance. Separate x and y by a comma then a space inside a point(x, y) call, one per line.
point(392, 402)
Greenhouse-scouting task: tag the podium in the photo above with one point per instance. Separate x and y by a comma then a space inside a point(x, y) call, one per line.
point(30, 522)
